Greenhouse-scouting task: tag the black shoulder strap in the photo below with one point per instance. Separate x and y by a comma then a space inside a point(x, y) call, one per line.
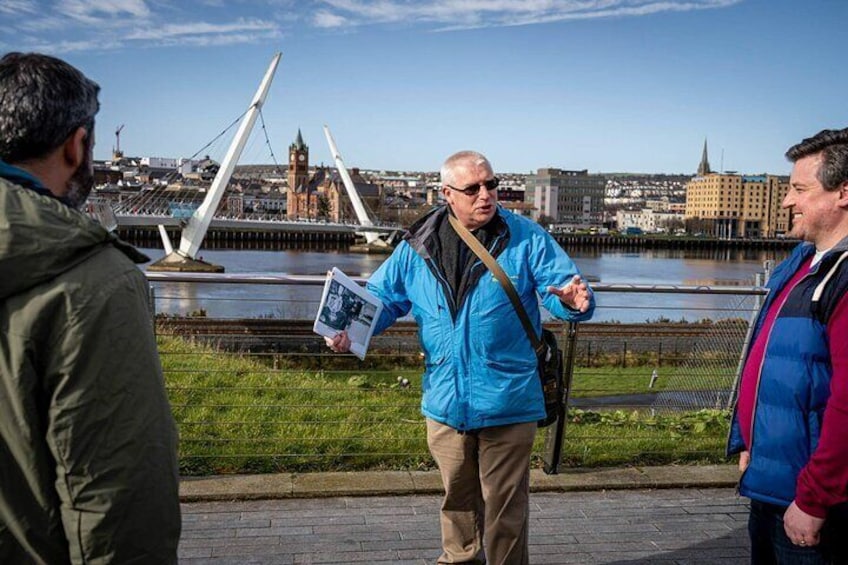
point(499, 274)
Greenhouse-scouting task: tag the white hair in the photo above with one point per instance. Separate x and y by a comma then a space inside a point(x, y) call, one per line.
point(461, 159)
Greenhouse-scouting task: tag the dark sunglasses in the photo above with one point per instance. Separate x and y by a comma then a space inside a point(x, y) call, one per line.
point(472, 189)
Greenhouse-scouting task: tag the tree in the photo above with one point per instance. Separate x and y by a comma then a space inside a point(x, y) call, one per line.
point(698, 226)
point(671, 225)
point(322, 204)
point(545, 221)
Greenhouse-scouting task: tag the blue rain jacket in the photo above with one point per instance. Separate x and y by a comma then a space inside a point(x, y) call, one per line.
point(481, 370)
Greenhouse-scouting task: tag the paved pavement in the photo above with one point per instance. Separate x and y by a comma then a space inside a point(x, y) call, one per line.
point(685, 515)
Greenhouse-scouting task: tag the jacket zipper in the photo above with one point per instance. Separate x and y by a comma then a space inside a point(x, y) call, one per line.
point(444, 284)
point(446, 289)
point(449, 293)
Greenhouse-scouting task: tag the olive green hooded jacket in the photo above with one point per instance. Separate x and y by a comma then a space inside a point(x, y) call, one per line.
point(88, 468)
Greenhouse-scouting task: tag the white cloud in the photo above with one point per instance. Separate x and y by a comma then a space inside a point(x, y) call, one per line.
point(61, 47)
point(15, 7)
point(457, 14)
point(81, 25)
point(324, 18)
point(43, 24)
point(95, 11)
point(200, 28)
point(219, 39)
point(77, 25)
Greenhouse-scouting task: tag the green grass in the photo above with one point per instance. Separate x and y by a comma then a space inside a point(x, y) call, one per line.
point(251, 414)
point(609, 381)
point(639, 438)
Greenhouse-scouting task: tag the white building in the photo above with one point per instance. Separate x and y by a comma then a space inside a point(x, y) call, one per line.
point(182, 166)
point(646, 219)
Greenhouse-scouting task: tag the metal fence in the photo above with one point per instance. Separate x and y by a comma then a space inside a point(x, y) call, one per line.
point(261, 392)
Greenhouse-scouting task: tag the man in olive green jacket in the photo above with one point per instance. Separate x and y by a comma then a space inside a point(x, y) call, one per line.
point(88, 468)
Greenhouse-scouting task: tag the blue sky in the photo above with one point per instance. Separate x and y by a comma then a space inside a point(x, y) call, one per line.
point(606, 85)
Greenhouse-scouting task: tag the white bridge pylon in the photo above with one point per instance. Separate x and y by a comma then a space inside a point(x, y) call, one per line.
point(198, 223)
point(371, 237)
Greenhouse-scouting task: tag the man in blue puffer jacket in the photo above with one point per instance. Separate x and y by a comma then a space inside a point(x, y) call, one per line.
point(482, 394)
point(790, 425)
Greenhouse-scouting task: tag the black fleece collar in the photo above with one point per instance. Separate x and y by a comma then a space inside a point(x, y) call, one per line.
point(434, 239)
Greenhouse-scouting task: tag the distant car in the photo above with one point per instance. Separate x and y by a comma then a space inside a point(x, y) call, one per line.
point(633, 230)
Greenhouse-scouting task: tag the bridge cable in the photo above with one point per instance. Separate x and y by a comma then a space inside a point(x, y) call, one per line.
point(173, 173)
point(277, 168)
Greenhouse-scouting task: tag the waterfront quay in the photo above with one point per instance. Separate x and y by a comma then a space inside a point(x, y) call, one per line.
point(315, 233)
point(144, 236)
point(667, 242)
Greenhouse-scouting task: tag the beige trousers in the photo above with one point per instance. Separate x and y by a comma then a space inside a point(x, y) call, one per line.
point(486, 475)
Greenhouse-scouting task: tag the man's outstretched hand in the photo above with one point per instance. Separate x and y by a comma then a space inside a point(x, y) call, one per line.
point(575, 294)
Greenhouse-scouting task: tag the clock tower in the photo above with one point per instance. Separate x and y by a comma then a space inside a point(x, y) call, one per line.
point(298, 175)
point(298, 163)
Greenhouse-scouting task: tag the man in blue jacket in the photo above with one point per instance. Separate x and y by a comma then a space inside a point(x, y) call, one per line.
point(481, 392)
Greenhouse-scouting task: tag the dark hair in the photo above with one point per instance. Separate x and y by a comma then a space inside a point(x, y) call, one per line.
point(833, 146)
point(43, 100)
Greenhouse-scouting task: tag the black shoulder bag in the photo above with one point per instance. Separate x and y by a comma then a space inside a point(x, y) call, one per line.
point(547, 350)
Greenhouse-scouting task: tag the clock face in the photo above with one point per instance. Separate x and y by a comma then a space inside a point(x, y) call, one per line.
point(291, 157)
point(301, 157)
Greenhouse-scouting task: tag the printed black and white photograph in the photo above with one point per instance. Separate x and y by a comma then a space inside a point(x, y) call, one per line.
point(346, 306)
point(341, 308)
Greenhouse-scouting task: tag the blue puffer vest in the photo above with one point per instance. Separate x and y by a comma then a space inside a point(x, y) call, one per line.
point(794, 381)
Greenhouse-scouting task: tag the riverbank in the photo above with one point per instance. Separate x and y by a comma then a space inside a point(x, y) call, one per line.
point(668, 242)
point(226, 238)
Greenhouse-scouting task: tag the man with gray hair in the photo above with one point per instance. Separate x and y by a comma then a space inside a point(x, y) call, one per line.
point(482, 394)
point(88, 468)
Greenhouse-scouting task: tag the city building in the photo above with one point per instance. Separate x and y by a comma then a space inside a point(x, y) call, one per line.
point(323, 196)
point(666, 205)
point(299, 199)
point(573, 198)
point(729, 205)
point(340, 207)
point(648, 220)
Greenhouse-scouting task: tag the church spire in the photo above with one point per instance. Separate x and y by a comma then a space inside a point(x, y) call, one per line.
point(704, 167)
point(298, 143)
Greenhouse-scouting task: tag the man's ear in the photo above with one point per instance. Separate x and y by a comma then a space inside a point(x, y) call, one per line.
point(73, 150)
point(446, 192)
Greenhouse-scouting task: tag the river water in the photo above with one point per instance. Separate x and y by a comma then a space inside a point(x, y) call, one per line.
point(647, 267)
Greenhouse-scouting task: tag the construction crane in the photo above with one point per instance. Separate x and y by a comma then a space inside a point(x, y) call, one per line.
point(117, 151)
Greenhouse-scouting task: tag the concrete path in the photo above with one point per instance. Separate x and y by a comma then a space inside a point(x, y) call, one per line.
point(622, 516)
